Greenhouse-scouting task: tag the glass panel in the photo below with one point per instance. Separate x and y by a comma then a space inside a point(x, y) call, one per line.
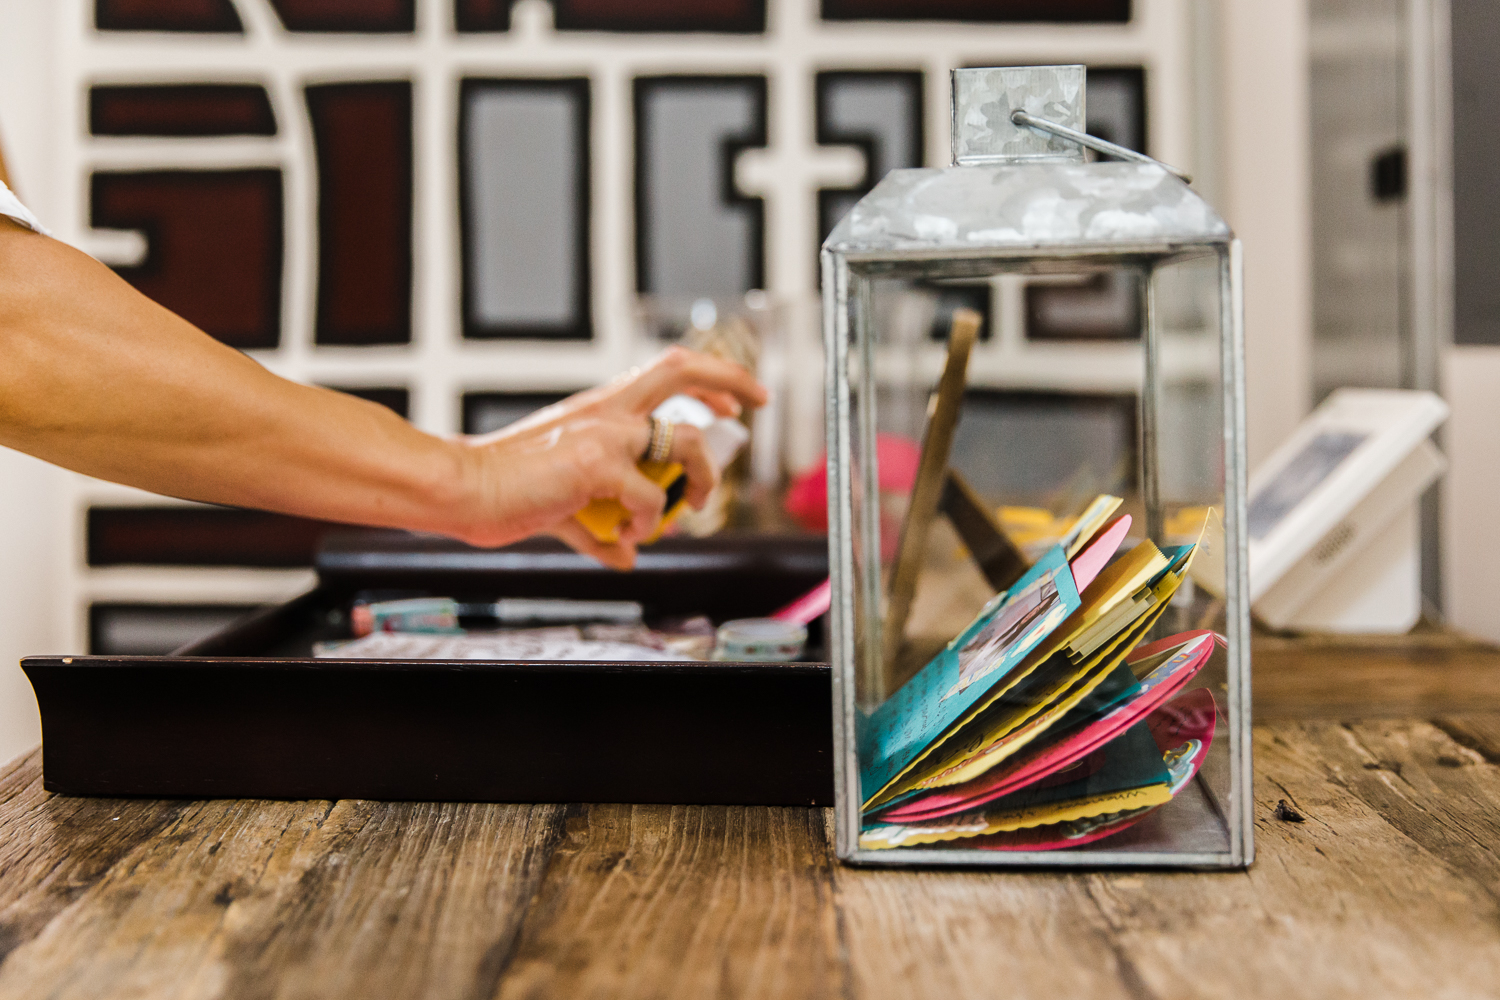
point(188, 109)
point(524, 205)
point(1076, 707)
point(201, 536)
point(363, 136)
point(166, 15)
point(1069, 446)
point(881, 113)
point(156, 629)
point(696, 235)
point(347, 15)
point(231, 288)
point(1084, 307)
point(977, 10)
point(490, 411)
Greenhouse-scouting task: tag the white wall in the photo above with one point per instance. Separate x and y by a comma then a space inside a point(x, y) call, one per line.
point(1266, 198)
point(34, 526)
point(1471, 530)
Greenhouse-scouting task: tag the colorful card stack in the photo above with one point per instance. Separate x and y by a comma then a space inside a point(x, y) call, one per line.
point(1042, 725)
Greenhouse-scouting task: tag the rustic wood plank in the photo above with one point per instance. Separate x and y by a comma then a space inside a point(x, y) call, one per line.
point(660, 901)
point(1388, 886)
point(144, 928)
point(1477, 732)
point(297, 899)
point(53, 850)
point(954, 935)
point(1420, 675)
point(1437, 792)
point(392, 900)
point(1342, 903)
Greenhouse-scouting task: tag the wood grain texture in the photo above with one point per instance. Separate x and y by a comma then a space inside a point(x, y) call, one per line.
point(692, 901)
point(1379, 878)
point(1420, 675)
point(281, 899)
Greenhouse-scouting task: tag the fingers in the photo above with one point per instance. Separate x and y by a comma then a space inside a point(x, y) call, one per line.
point(680, 370)
point(688, 448)
point(645, 501)
point(620, 555)
point(722, 403)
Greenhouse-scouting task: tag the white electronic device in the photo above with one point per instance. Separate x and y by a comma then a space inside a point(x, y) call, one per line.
point(1334, 523)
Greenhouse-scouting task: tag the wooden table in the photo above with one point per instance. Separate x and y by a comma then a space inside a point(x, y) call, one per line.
point(1380, 876)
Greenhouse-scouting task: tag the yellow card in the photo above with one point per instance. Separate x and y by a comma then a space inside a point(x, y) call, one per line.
point(979, 824)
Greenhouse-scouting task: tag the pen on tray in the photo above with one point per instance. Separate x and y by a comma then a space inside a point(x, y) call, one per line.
point(440, 615)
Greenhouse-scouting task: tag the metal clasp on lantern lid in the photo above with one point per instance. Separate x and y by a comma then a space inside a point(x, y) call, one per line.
point(1021, 114)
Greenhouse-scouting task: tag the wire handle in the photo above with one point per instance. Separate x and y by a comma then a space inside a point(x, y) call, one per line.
point(1020, 117)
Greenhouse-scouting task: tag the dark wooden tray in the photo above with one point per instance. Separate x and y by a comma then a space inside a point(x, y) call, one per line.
point(248, 713)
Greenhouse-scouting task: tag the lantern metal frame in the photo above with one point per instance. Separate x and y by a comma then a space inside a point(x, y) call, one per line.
point(1145, 216)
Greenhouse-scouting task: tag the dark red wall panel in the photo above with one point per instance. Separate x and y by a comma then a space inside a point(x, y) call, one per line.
point(482, 15)
point(394, 398)
point(186, 109)
point(661, 15)
point(214, 245)
point(741, 16)
point(201, 536)
point(364, 145)
point(166, 15)
point(347, 15)
point(1105, 11)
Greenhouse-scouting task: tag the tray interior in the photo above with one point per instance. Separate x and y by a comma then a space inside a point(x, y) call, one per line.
point(724, 577)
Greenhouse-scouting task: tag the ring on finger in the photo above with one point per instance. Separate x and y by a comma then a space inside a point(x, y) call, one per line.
point(660, 445)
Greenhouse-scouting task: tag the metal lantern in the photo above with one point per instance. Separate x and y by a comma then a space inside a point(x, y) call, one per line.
point(1023, 207)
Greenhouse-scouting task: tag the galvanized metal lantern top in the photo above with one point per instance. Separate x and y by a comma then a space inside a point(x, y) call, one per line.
point(1015, 188)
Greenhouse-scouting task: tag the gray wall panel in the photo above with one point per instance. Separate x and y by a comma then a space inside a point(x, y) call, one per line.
point(1476, 170)
point(525, 204)
point(696, 237)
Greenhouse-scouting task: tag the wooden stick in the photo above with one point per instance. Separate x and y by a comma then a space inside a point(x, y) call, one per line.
point(937, 443)
point(4, 175)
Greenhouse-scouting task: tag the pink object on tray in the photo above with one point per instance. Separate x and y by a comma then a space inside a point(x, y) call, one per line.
point(1193, 649)
point(809, 607)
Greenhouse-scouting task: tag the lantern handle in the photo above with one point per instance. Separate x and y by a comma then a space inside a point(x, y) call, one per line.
point(1020, 117)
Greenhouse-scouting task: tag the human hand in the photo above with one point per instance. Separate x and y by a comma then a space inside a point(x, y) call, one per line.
point(534, 475)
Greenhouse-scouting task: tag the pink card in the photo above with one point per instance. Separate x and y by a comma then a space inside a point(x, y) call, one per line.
point(1188, 652)
point(1183, 726)
point(1087, 564)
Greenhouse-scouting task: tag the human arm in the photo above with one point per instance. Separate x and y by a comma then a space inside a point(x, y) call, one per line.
point(97, 378)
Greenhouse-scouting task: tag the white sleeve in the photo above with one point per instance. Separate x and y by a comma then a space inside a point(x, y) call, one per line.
point(11, 208)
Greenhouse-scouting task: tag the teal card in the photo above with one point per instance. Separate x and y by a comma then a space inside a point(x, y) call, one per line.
point(941, 693)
